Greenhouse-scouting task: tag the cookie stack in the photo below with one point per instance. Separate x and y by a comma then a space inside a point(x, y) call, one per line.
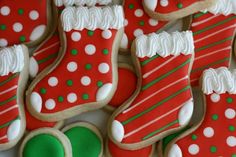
point(159, 70)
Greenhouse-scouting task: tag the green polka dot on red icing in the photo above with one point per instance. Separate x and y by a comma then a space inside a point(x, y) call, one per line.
point(60, 99)
point(3, 27)
point(88, 66)
point(194, 137)
point(43, 145)
point(69, 82)
point(229, 100)
point(215, 117)
point(231, 128)
point(43, 91)
point(90, 33)
point(131, 6)
point(234, 155)
point(213, 149)
point(74, 52)
point(141, 23)
point(20, 11)
point(85, 96)
point(22, 38)
point(99, 83)
point(84, 142)
point(105, 51)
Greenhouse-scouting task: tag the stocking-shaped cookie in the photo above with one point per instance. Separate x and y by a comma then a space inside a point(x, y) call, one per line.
point(24, 22)
point(216, 135)
point(13, 78)
point(164, 102)
point(137, 22)
point(167, 10)
point(213, 37)
point(85, 76)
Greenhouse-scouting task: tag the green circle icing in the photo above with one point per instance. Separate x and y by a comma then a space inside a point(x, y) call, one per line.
point(90, 33)
point(99, 83)
point(3, 27)
point(213, 149)
point(194, 137)
point(105, 51)
point(43, 145)
point(215, 117)
point(60, 99)
point(131, 6)
point(20, 11)
point(85, 143)
point(231, 128)
point(74, 52)
point(22, 38)
point(69, 82)
point(180, 5)
point(43, 91)
point(88, 66)
point(141, 23)
point(229, 100)
point(234, 155)
point(85, 96)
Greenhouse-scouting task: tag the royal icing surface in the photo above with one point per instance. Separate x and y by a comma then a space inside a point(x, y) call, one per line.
point(60, 3)
point(24, 22)
point(164, 44)
point(165, 91)
point(225, 7)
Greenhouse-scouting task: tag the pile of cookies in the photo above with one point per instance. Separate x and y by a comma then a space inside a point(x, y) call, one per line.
point(162, 84)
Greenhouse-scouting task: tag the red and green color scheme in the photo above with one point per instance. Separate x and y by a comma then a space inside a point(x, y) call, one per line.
point(23, 22)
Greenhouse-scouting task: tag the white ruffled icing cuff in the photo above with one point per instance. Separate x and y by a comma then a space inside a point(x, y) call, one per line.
point(60, 3)
point(11, 60)
point(79, 18)
point(225, 7)
point(165, 44)
point(219, 80)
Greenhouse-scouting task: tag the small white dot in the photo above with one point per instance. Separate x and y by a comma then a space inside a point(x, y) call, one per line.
point(72, 97)
point(76, 36)
point(231, 141)
point(90, 49)
point(17, 27)
point(3, 42)
point(126, 22)
point(193, 149)
point(230, 113)
point(34, 15)
point(215, 97)
point(52, 81)
point(72, 66)
point(5, 10)
point(164, 3)
point(153, 22)
point(138, 32)
point(50, 104)
point(103, 68)
point(208, 132)
point(85, 80)
point(106, 34)
point(138, 13)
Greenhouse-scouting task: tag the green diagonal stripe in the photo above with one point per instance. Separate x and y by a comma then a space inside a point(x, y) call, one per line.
point(199, 15)
point(165, 75)
point(47, 58)
point(8, 123)
point(161, 129)
point(156, 105)
point(149, 60)
point(9, 79)
point(8, 100)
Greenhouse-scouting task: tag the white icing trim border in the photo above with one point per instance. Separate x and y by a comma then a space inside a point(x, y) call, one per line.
point(60, 3)
point(79, 18)
point(11, 60)
point(225, 7)
point(219, 80)
point(165, 44)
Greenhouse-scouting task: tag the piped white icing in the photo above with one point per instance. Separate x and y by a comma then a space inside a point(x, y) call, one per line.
point(11, 60)
point(165, 44)
point(219, 80)
point(79, 18)
point(60, 3)
point(225, 7)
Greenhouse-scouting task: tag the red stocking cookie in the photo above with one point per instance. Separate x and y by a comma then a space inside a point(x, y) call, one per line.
point(24, 22)
point(168, 10)
point(85, 76)
point(60, 3)
point(13, 78)
point(164, 102)
point(213, 36)
point(216, 135)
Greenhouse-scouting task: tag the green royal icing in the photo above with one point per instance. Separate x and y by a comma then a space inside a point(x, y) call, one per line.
point(43, 145)
point(85, 143)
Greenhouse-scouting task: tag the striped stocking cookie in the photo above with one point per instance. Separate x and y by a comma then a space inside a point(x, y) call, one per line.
point(85, 76)
point(213, 37)
point(13, 79)
point(24, 22)
point(164, 102)
point(216, 135)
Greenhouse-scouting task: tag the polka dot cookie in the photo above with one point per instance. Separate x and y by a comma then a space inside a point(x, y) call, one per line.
point(23, 22)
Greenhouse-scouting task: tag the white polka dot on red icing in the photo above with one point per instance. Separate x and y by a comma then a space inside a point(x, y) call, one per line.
point(231, 141)
point(215, 97)
point(72, 97)
point(50, 104)
point(52, 81)
point(138, 13)
point(103, 68)
point(153, 22)
point(72, 66)
point(106, 34)
point(193, 149)
point(17, 27)
point(208, 132)
point(230, 113)
point(5, 10)
point(3, 42)
point(76, 36)
point(138, 32)
point(33, 15)
point(85, 80)
point(164, 3)
point(90, 49)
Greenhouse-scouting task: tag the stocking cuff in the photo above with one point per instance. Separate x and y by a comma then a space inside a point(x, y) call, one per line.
point(219, 80)
point(225, 7)
point(11, 60)
point(60, 3)
point(79, 18)
point(165, 44)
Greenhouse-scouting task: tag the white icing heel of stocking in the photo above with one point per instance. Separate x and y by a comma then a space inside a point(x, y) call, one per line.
point(175, 151)
point(117, 131)
point(151, 4)
point(33, 67)
point(37, 32)
point(124, 42)
point(13, 130)
point(185, 113)
point(36, 101)
point(103, 92)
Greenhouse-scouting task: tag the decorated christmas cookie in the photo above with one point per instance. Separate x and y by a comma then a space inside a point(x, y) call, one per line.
point(46, 142)
point(24, 22)
point(167, 10)
point(85, 76)
point(137, 22)
point(216, 135)
point(86, 140)
point(60, 3)
point(213, 33)
point(127, 84)
point(164, 103)
point(13, 78)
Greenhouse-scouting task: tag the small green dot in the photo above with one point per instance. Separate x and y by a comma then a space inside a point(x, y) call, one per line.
point(60, 99)
point(43, 91)
point(141, 23)
point(22, 38)
point(231, 128)
point(85, 96)
point(88, 66)
point(215, 117)
point(194, 137)
point(3, 27)
point(234, 155)
point(180, 5)
point(20, 11)
point(229, 100)
point(131, 6)
point(90, 33)
point(213, 149)
point(74, 52)
point(99, 83)
point(69, 82)
point(105, 51)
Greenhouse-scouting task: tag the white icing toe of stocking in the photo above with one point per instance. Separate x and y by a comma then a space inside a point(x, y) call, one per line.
point(33, 67)
point(117, 131)
point(124, 42)
point(13, 130)
point(175, 151)
point(185, 113)
point(151, 4)
point(37, 32)
point(103, 92)
point(36, 101)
